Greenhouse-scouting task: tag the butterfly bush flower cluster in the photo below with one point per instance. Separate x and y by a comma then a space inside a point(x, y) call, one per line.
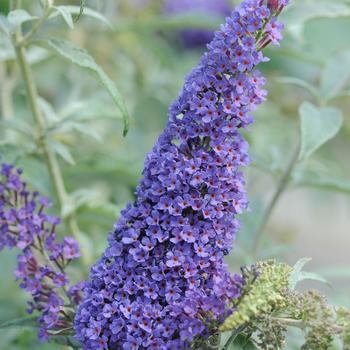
point(197, 37)
point(24, 224)
point(162, 282)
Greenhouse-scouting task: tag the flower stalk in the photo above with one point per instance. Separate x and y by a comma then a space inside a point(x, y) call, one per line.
point(282, 185)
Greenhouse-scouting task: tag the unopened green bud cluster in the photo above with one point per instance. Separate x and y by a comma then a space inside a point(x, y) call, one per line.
point(268, 306)
point(264, 295)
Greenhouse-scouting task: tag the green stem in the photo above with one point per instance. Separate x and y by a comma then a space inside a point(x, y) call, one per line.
point(51, 159)
point(282, 185)
point(6, 92)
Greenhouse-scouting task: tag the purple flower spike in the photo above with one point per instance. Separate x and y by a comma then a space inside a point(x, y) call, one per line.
point(162, 281)
point(40, 271)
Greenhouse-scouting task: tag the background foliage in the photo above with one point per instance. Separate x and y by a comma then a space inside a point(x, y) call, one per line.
point(140, 49)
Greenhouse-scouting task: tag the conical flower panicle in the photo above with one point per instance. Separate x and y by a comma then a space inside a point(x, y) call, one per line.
point(162, 281)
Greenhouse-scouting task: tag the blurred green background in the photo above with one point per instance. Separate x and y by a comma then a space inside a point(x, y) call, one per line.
point(144, 55)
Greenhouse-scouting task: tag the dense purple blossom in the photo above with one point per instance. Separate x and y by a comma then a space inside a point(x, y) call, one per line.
point(40, 271)
point(197, 37)
point(162, 281)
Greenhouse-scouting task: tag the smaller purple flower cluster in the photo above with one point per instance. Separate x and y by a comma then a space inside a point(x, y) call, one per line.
point(25, 224)
point(197, 37)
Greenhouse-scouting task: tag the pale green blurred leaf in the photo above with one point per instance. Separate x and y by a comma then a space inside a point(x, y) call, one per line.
point(4, 24)
point(48, 110)
point(79, 198)
point(338, 272)
point(62, 150)
point(75, 10)
point(10, 152)
point(36, 55)
point(67, 341)
point(298, 275)
point(66, 15)
point(21, 323)
point(86, 110)
point(6, 49)
point(18, 125)
point(81, 58)
point(86, 129)
point(295, 274)
point(300, 12)
point(300, 83)
point(335, 76)
point(67, 126)
point(323, 181)
point(318, 125)
point(17, 17)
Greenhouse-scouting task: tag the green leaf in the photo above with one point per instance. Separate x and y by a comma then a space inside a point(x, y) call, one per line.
point(76, 10)
point(318, 125)
point(311, 276)
point(323, 181)
point(79, 127)
point(48, 111)
point(298, 275)
point(337, 272)
point(85, 129)
point(300, 83)
point(22, 323)
point(81, 58)
point(18, 125)
point(4, 24)
point(62, 150)
point(335, 76)
point(297, 268)
point(300, 12)
point(17, 17)
point(80, 197)
point(89, 109)
point(65, 13)
point(67, 341)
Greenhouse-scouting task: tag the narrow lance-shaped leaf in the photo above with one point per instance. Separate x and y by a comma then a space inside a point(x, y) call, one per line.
point(82, 58)
point(4, 24)
point(335, 76)
point(300, 12)
point(67, 341)
point(66, 15)
point(298, 275)
point(318, 125)
point(17, 17)
point(300, 83)
point(319, 179)
point(62, 150)
point(48, 111)
point(25, 322)
point(76, 10)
